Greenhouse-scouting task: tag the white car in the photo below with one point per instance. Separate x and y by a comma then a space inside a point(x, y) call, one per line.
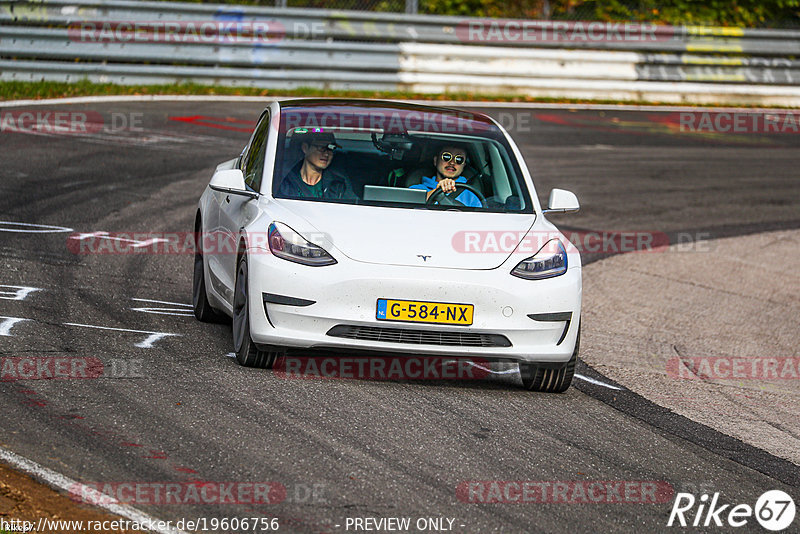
point(355, 225)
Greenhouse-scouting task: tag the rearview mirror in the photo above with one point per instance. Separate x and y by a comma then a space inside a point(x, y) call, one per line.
point(562, 201)
point(231, 181)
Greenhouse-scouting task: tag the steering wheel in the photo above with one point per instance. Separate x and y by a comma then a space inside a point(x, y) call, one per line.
point(449, 199)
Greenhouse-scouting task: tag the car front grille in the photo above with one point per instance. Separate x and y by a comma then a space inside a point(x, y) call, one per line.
point(419, 337)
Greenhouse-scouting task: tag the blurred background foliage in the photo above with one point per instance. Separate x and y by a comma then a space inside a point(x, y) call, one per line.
point(748, 13)
point(743, 13)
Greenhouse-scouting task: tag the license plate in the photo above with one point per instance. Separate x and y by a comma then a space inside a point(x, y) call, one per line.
point(413, 311)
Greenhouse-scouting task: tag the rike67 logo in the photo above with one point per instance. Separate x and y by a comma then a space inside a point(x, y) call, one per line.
point(774, 510)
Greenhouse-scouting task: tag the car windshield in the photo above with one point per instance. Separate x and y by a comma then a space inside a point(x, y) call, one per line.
point(397, 157)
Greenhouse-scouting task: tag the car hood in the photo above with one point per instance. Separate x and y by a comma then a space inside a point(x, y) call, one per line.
point(410, 237)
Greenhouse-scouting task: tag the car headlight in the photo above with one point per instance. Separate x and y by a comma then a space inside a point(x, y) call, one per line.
point(287, 244)
point(550, 261)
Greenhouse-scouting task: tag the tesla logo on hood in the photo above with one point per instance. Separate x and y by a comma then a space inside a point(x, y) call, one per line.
point(424, 258)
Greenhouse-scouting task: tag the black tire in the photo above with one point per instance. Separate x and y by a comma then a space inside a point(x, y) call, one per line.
point(202, 308)
point(247, 354)
point(535, 378)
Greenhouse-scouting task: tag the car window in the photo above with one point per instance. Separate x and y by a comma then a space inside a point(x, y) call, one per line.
point(253, 163)
point(381, 153)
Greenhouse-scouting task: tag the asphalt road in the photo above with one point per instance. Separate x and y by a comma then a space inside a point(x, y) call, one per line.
point(349, 448)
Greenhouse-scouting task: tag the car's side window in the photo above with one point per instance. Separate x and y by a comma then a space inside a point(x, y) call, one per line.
point(253, 167)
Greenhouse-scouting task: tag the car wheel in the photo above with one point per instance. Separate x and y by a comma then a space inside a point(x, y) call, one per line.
point(247, 354)
point(536, 378)
point(202, 308)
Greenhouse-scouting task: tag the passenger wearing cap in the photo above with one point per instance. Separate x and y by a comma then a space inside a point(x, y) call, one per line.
point(311, 177)
point(449, 161)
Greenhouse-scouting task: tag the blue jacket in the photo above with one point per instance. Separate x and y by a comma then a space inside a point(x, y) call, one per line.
point(467, 198)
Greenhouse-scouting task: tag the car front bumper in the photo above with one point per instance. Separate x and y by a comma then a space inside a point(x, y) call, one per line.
point(345, 295)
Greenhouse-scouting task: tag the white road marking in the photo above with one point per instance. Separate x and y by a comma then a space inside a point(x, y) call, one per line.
point(28, 228)
point(179, 311)
point(597, 382)
point(18, 293)
point(59, 481)
point(162, 302)
point(165, 311)
point(79, 182)
point(450, 103)
point(596, 147)
point(8, 324)
point(148, 342)
point(231, 355)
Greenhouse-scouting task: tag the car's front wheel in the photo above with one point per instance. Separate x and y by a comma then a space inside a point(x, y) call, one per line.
point(536, 378)
point(247, 354)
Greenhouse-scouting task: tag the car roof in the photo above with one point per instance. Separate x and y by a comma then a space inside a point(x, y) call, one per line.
point(311, 103)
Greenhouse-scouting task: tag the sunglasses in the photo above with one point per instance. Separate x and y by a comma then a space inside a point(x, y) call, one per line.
point(327, 147)
point(447, 156)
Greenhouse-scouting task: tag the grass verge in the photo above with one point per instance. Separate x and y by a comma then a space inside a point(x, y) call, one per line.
point(13, 90)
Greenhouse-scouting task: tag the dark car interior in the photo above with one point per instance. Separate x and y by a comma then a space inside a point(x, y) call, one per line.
point(397, 160)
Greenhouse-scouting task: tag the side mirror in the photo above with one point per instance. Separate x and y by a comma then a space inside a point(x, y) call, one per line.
point(562, 201)
point(231, 181)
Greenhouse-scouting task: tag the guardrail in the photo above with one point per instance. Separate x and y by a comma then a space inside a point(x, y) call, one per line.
point(131, 42)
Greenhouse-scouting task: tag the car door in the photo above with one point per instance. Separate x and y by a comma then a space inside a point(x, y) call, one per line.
point(236, 211)
point(211, 225)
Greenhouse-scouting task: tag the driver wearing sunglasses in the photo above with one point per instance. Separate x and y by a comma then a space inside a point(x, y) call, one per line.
point(449, 162)
point(312, 177)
